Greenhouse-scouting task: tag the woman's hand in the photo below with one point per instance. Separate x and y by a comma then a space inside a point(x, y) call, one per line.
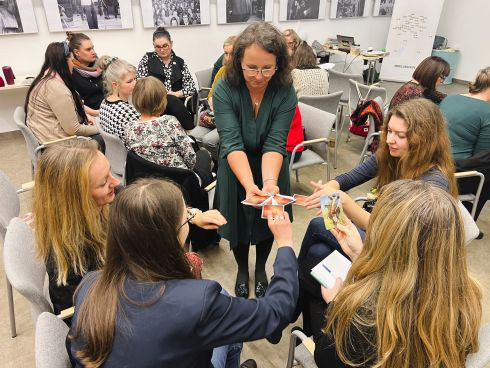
point(253, 190)
point(209, 220)
point(330, 294)
point(270, 187)
point(348, 238)
point(281, 229)
point(320, 190)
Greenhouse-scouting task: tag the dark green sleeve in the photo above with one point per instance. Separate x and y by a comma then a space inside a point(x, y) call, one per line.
point(226, 119)
point(217, 66)
point(278, 133)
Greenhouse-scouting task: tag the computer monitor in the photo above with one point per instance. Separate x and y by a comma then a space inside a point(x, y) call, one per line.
point(345, 42)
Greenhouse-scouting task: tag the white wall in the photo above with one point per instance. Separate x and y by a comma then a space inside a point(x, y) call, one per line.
point(465, 25)
point(201, 45)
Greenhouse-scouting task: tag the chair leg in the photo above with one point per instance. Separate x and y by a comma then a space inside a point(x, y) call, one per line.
point(10, 298)
point(292, 347)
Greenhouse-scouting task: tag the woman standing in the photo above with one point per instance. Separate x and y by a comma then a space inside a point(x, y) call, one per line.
point(52, 106)
point(87, 78)
point(173, 72)
point(254, 105)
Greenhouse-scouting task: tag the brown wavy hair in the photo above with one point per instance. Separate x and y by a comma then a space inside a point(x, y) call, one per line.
point(408, 297)
point(482, 81)
point(429, 70)
point(428, 145)
point(268, 38)
point(142, 245)
point(304, 57)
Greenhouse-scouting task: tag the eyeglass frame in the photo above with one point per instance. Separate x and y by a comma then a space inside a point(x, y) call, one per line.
point(261, 71)
point(190, 216)
point(164, 47)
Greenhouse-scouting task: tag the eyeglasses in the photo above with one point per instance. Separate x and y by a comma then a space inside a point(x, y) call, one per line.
point(162, 47)
point(255, 72)
point(443, 77)
point(190, 216)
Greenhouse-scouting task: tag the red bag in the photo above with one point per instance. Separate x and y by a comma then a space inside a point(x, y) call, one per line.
point(360, 126)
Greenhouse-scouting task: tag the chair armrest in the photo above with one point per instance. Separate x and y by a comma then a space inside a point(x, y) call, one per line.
point(305, 340)
point(466, 174)
point(210, 186)
point(205, 89)
point(314, 141)
point(66, 313)
point(59, 140)
point(26, 187)
point(361, 199)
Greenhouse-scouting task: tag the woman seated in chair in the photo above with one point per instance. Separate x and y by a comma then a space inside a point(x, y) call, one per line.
point(52, 106)
point(115, 110)
point(73, 189)
point(408, 300)
point(429, 74)
point(308, 78)
point(146, 287)
point(173, 72)
point(160, 138)
point(414, 144)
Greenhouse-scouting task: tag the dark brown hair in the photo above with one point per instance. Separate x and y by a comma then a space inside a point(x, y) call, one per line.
point(482, 81)
point(429, 70)
point(75, 40)
point(268, 38)
point(304, 57)
point(149, 96)
point(428, 145)
point(142, 245)
point(161, 32)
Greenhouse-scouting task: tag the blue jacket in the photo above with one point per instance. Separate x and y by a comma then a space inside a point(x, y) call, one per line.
point(192, 317)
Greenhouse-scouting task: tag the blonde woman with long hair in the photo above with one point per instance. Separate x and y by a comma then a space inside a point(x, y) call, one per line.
point(414, 144)
point(408, 300)
point(73, 187)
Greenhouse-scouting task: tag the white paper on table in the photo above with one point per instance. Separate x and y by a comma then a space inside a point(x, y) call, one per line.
point(333, 266)
point(326, 66)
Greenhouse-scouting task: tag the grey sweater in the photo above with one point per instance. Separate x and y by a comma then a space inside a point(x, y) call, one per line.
point(369, 170)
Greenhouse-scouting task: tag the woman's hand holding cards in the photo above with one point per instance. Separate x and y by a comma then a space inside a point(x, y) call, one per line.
point(320, 190)
point(330, 294)
point(348, 238)
point(281, 229)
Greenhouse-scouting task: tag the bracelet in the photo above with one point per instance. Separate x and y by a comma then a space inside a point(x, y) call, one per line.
point(268, 179)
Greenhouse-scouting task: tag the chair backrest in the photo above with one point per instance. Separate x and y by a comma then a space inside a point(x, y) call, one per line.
point(24, 270)
point(339, 81)
point(137, 167)
point(481, 358)
point(9, 203)
point(367, 93)
point(471, 230)
point(51, 334)
point(204, 81)
point(115, 150)
point(31, 141)
point(317, 124)
point(328, 103)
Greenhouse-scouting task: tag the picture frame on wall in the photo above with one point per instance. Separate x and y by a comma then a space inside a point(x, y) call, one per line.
point(174, 13)
point(348, 9)
point(383, 8)
point(294, 10)
point(17, 16)
point(244, 11)
point(84, 15)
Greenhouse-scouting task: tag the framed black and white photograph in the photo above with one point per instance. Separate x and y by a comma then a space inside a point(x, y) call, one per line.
point(383, 8)
point(82, 15)
point(244, 11)
point(17, 16)
point(174, 13)
point(348, 8)
point(291, 10)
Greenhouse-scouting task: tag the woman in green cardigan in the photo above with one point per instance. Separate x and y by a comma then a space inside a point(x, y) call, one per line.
point(254, 105)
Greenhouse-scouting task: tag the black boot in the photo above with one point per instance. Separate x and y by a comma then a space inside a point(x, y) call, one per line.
point(240, 252)
point(262, 250)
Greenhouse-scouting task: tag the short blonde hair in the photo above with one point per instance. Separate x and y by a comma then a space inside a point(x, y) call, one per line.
point(114, 71)
point(150, 96)
point(482, 81)
point(292, 33)
point(229, 41)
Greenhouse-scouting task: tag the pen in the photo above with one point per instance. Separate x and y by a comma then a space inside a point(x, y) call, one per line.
point(326, 268)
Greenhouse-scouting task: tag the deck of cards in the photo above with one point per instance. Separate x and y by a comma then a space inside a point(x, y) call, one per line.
point(273, 204)
point(332, 210)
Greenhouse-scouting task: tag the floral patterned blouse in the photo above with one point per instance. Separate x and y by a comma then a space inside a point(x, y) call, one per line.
point(162, 141)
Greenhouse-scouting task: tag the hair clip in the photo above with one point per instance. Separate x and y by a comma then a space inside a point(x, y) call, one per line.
point(111, 60)
point(66, 49)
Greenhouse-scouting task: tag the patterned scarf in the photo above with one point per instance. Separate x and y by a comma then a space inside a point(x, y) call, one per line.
point(87, 71)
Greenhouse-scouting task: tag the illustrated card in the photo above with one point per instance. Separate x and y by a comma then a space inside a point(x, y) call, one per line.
point(273, 209)
point(300, 199)
point(255, 200)
point(332, 211)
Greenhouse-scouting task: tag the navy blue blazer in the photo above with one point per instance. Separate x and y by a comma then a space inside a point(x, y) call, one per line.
point(192, 317)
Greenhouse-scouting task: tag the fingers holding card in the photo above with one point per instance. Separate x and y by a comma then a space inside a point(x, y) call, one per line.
point(276, 211)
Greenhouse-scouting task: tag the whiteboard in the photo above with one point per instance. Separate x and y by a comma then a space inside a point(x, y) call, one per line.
point(410, 38)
